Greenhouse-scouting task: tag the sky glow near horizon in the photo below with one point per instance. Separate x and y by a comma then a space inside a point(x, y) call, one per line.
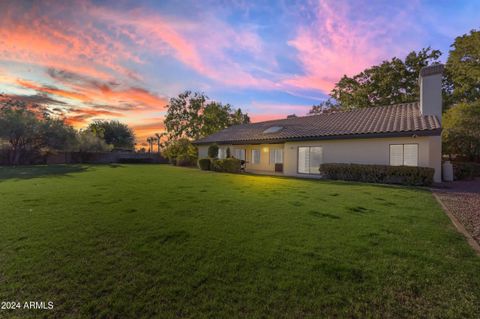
point(124, 59)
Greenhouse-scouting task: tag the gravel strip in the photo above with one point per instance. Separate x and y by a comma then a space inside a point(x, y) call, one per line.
point(462, 199)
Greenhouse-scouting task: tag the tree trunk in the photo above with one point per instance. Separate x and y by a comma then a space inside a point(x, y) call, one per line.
point(16, 156)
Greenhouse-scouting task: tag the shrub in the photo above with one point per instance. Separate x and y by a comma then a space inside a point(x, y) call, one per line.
point(213, 151)
point(466, 170)
point(185, 161)
point(229, 165)
point(181, 152)
point(204, 164)
point(404, 175)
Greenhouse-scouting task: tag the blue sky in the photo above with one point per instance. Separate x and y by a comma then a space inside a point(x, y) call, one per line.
point(125, 59)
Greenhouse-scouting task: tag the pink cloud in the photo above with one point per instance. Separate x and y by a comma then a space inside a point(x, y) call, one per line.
point(263, 111)
point(334, 44)
point(204, 46)
point(281, 107)
point(254, 118)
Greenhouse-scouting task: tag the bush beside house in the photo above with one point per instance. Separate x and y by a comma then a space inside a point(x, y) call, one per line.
point(204, 164)
point(404, 175)
point(227, 165)
point(466, 170)
point(181, 152)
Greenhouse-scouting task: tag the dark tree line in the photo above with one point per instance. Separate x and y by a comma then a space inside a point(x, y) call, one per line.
point(29, 133)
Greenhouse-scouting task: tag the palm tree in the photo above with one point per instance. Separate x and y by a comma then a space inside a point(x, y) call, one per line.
point(150, 143)
point(158, 141)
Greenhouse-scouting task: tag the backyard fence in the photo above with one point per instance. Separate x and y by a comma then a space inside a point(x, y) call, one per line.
point(86, 157)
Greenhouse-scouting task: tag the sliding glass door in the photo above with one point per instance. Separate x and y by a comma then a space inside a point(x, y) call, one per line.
point(309, 159)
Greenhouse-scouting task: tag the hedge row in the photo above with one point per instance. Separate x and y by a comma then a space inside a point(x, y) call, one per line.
point(404, 175)
point(466, 170)
point(204, 164)
point(229, 165)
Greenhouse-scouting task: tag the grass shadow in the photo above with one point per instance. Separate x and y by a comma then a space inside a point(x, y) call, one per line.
point(29, 172)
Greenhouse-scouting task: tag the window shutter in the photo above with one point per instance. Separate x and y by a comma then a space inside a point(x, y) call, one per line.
point(410, 155)
point(396, 155)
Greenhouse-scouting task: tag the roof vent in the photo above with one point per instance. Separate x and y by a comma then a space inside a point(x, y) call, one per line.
point(273, 129)
point(291, 116)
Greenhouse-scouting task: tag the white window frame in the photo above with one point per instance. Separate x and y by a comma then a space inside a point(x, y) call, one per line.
point(277, 154)
point(312, 170)
point(253, 156)
point(404, 159)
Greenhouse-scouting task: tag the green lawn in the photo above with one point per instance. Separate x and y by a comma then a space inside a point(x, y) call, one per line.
point(132, 241)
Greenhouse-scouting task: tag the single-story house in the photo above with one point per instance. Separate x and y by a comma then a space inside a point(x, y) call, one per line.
point(402, 134)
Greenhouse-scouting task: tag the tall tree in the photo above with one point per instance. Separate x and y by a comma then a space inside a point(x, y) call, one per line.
point(113, 132)
point(327, 106)
point(190, 116)
point(238, 117)
point(461, 130)
point(31, 132)
point(391, 82)
point(215, 117)
point(463, 68)
point(88, 142)
point(183, 115)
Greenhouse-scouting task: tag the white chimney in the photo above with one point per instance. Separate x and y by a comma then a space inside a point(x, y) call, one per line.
point(431, 90)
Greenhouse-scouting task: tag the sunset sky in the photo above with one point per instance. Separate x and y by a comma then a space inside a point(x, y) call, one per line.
point(124, 59)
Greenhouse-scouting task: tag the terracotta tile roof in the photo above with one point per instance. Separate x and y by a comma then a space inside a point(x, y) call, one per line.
point(394, 120)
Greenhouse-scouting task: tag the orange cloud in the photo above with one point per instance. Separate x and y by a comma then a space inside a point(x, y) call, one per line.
point(101, 93)
point(94, 112)
point(145, 130)
point(54, 91)
point(141, 96)
point(80, 117)
point(77, 120)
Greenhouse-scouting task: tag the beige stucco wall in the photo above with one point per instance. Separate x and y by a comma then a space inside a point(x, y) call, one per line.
point(359, 151)
point(264, 164)
point(435, 156)
point(367, 151)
